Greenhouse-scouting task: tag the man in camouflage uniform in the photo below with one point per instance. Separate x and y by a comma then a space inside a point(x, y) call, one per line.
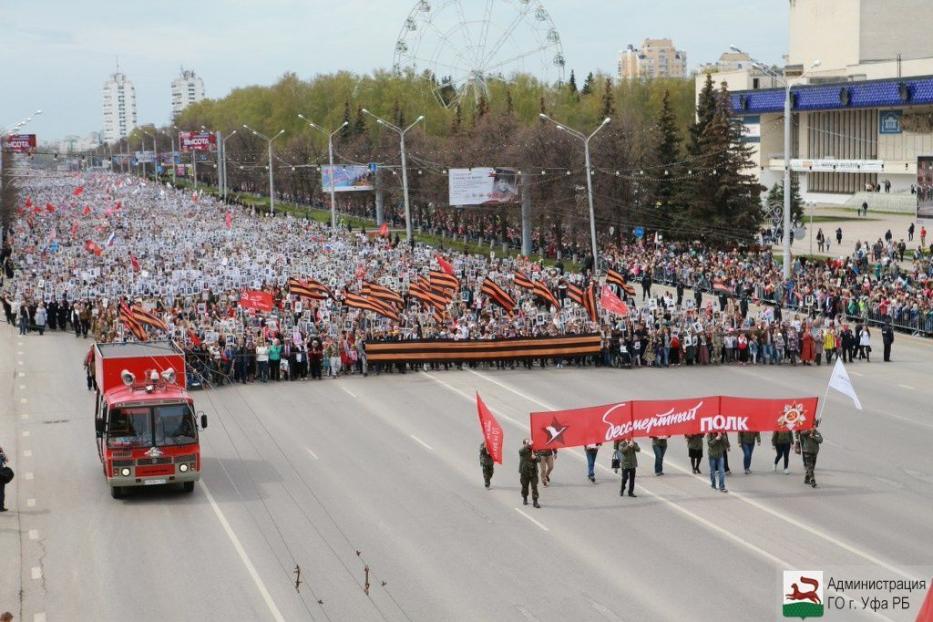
point(528, 471)
point(809, 442)
point(485, 461)
point(629, 462)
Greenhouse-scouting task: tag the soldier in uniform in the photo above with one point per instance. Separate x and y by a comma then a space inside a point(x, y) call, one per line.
point(887, 338)
point(485, 461)
point(528, 470)
point(629, 462)
point(546, 459)
point(809, 442)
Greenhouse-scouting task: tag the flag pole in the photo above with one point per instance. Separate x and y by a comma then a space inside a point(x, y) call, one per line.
point(819, 416)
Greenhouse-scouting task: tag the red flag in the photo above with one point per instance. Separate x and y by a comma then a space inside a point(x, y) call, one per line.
point(195, 340)
point(612, 303)
point(384, 230)
point(90, 246)
point(445, 265)
point(50, 208)
point(492, 431)
point(926, 611)
point(256, 299)
point(28, 202)
point(86, 211)
point(135, 263)
point(78, 191)
point(228, 220)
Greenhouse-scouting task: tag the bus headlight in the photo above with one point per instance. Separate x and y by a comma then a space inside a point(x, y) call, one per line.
point(125, 472)
point(183, 468)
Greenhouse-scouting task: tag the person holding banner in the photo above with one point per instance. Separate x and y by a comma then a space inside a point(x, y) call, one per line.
point(747, 440)
point(716, 444)
point(486, 461)
point(781, 441)
point(627, 449)
point(808, 443)
point(695, 451)
point(528, 472)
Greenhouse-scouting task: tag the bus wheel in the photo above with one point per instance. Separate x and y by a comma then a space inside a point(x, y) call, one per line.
point(116, 492)
point(187, 486)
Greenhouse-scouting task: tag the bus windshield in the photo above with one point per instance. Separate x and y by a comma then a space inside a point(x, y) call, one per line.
point(163, 425)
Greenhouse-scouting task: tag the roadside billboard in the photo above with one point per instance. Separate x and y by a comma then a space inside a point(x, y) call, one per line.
point(925, 187)
point(483, 186)
point(349, 178)
point(145, 157)
point(197, 141)
point(20, 143)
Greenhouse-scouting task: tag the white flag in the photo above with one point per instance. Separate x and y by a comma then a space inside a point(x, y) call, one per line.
point(840, 381)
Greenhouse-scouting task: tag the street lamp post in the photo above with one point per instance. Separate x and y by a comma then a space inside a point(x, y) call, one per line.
point(330, 156)
point(155, 151)
point(401, 133)
point(589, 177)
point(788, 129)
point(223, 160)
point(271, 180)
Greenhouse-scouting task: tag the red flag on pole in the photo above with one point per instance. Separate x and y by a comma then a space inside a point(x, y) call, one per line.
point(228, 220)
point(135, 263)
point(78, 191)
point(445, 265)
point(612, 303)
point(492, 431)
point(384, 230)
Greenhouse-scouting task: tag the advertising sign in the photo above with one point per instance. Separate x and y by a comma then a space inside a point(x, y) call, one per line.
point(925, 187)
point(145, 157)
point(751, 129)
point(197, 141)
point(889, 122)
point(830, 165)
point(21, 143)
point(483, 186)
point(349, 178)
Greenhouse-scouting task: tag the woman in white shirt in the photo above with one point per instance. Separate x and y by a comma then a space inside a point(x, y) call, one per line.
point(262, 359)
point(864, 344)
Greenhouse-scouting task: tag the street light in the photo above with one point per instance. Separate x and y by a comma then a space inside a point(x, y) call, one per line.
point(271, 181)
point(401, 133)
point(330, 155)
point(155, 151)
point(788, 112)
point(589, 177)
point(223, 160)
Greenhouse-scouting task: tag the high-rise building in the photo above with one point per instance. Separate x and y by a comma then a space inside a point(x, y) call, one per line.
point(119, 107)
point(657, 58)
point(187, 89)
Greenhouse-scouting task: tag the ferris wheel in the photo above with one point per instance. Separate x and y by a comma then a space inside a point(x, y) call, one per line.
point(466, 43)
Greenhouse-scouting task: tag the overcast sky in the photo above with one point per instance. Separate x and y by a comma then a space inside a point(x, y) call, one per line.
point(57, 53)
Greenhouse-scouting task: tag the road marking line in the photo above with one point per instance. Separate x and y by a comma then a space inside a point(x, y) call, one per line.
point(348, 391)
point(855, 373)
point(467, 397)
point(26, 433)
point(906, 386)
point(19, 362)
point(27, 453)
point(23, 400)
point(19, 343)
point(22, 387)
point(30, 503)
point(19, 352)
point(39, 617)
point(313, 455)
point(421, 442)
point(36, 572)
point(543, 528)
point(784, 517)
point(33, 534)
point(266, 596)
point(24, 416)
point(21, 374)
point(29, 475)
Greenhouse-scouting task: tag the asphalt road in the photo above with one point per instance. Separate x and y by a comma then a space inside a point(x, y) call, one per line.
point(383, 471)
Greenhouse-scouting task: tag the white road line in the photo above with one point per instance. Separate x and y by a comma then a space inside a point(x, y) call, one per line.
point(23, 400)
point(421, 442)
point(39, 617)
point(266, 596)
point(30, 503)
point(27, 453)
point(22, 387)
point(19, 352)
point(24, 416)
point(29, 475)
point(780, 515)
point(19, 343)
point(855, 373)
point(19, 362)
point(468, 397)
point(33, 534)
point(21, 374)
point(906, 386)
point(313, 455)
point(543, 528)
point(36, 572)
point(348, 391)
point(26, 433)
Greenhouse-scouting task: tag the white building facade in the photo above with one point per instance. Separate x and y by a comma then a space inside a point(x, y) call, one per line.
point(187, 89)
point(119, 108)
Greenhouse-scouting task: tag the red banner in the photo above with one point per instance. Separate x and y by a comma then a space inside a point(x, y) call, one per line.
point(603, 424)
point(196, 141)
point(256, 299)
point(21, 143)
point(612, 303)
point(492, 431)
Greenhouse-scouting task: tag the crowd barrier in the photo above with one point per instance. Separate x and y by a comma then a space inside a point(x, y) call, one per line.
point(444, 350)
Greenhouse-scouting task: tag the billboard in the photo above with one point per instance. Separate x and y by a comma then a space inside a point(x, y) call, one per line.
point(21, 143)
point(832, 165)
point(483, 186)
point(196, 141)
point(145, 157)
point(349, 178)
point(925, 187)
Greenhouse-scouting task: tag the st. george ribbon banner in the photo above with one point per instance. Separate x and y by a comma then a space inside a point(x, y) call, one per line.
point(696, 415)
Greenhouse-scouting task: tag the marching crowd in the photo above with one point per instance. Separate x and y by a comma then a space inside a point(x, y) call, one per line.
point(82, 248)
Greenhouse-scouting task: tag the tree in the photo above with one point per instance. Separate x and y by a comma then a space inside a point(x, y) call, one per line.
point(588, 84)
point(775, 201)
point(572, 83)
point(359, 126)
point(725, 203)
point(457, 124)
point(509, 104)
point(668, 153)
point(346, 131)
point(608, 102)
point(706, 107)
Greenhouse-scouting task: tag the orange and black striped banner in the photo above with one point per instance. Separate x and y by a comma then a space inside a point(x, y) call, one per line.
point(308, 289)
point(523, 281)
point(541, 291)
point(145, 317)
point(498, 295)
point(441, 279)
point(383, 293)
point(428, 351)
point(371, 304)
point(130, 321)
point(575, 294)
point(589, 302)
point(617, 279)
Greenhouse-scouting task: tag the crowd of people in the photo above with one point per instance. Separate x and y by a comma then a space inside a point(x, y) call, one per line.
point(83, 247)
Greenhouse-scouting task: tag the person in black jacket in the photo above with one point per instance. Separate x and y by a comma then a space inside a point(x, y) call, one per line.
point(887, 337)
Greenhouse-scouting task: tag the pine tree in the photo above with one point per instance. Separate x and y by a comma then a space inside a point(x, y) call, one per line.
point(668, 153)
point(359, 126)
point(588, 84)
point(482, 107)
point(572, 83)
point(609, 100)
point(509, 104)
point(457, 123)
point(775, 201)
point(398, 117)
point(706, 106)
point(346, 131)
point(726, 201)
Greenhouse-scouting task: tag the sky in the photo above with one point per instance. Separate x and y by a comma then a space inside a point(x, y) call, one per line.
point(58, 53)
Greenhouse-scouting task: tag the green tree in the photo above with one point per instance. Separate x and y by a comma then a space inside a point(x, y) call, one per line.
point(359, 126)
point(347, 130)
point(588, 84)
point(669, 159)
point(775, 201)
point(608, 100)
point(705, 109)
point(572, 83)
